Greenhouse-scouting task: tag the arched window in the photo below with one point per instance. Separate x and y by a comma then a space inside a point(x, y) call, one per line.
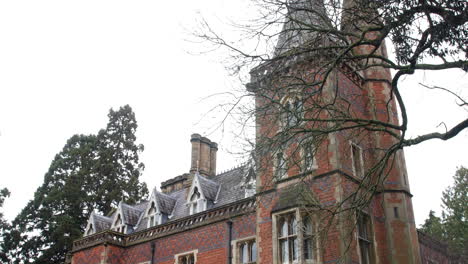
point(292, 111)
point(90, 230)
point(186, 259)
point(295, 235)
point(247, 252)
point(195, 203)
point(152, 217)
point(119, 226)
point(287, 236)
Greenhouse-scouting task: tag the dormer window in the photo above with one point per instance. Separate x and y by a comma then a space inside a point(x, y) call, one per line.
point(202, 194)
point(152, 216)
point(90, 230)
point(119, 226)
point(250, 183)
point(195, 203)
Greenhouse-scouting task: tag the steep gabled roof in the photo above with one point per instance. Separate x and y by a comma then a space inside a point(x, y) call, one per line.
point(131, 214)
point(100, 222)
point(165, 203)
point(222, 189)
point(208, 187)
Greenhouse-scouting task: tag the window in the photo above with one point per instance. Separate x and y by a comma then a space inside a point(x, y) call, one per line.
point(364, 237)
point(119, 226)
point(195, 203)
point(287, 239)
point(293, 111)
point(356, 156)
point(186, 259)
point(247, 252)
point(308, 154)
point(280, 166)
point(90, 230)
point(295, 238)
point(308, 238)
point(152, 217)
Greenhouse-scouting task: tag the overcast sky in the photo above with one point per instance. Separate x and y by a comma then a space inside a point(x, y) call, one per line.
point(64, 64)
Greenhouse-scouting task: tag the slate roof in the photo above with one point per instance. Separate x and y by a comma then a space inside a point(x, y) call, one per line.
point(131, 214)
point(100, 222)
point(297, 29)
point(222, 189)
point(165, 202)
point(209, 188)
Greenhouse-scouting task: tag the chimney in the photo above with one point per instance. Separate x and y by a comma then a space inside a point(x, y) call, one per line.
point(214, 150)
point(203, 155)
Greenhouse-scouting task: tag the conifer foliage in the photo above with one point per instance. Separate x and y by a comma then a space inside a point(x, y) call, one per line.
point(4, 193)
point(92, 172)
point(453, 225)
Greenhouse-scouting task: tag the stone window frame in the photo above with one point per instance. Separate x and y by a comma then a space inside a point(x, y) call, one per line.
point(299, 215)
point(177, 257)
point(236, 248)
point(89, 230)
point(367, 239)
point(290, 104)
point(201, 204)
point(122, 228)
point(155, 215)
point(361, 159)
point(195, 206)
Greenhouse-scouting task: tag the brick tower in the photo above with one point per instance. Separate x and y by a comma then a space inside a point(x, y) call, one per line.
point(321, 197)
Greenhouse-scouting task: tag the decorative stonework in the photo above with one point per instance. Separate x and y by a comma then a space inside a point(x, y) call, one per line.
point(118, 239)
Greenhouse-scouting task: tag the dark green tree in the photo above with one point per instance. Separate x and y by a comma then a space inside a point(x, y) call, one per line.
point(118, 161)
point(452, 227)
point(455, 212)
point(88, 174)
point(4, 225)
point(433, 226)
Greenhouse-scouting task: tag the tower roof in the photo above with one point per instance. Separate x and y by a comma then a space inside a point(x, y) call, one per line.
point(303, 19)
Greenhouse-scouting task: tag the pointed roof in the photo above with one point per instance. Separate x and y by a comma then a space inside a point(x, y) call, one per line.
point(208, 187)
point(165, 203)
point(298, 28)
point(100, 222)
point(131, 214)
point(224, 188)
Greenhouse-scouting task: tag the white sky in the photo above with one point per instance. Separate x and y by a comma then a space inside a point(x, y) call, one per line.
point(63, 64)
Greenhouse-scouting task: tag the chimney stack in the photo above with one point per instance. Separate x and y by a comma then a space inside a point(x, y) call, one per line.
point(203, 155)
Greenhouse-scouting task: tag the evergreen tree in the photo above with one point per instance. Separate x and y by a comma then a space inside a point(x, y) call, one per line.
point(433, 226)
point(455, 213)
point(453, 226)
point(4, 226)
point(88, 174)
point(118, 161)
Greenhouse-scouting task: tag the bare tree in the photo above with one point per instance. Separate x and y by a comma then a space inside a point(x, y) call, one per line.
point(320, 71)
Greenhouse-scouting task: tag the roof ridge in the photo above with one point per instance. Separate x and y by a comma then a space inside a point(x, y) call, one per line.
point(242, 164)
point(133, 206)
point(164, 194)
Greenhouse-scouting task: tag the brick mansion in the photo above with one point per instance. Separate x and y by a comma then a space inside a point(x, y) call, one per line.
point(301, 200)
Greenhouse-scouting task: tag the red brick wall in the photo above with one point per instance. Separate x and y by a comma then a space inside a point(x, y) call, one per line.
point(89, 256)
point(211, 242)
